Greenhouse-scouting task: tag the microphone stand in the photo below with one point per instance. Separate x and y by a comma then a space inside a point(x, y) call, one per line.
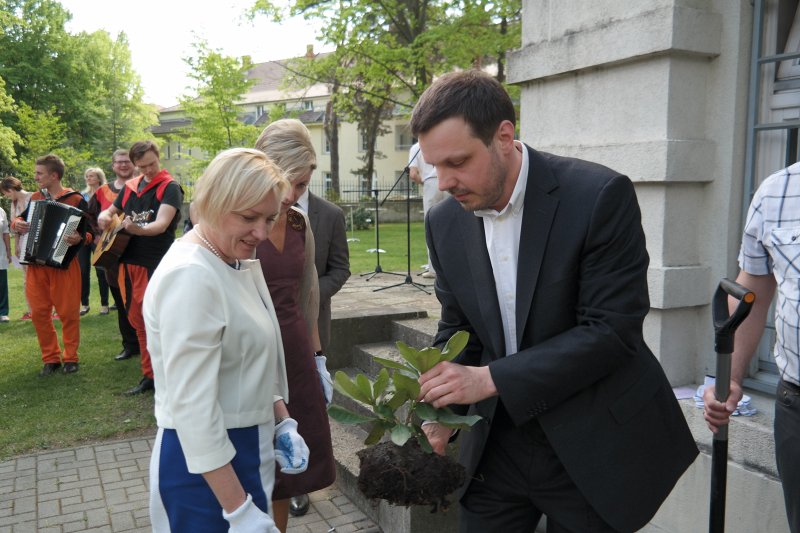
point(378, 251)
point(408, 279)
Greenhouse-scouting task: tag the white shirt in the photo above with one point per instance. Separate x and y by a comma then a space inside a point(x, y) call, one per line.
point(426, 170)
point(216, 350)
point(771, 245)
point(3, 231)
point(502, 241)
point(302, 202)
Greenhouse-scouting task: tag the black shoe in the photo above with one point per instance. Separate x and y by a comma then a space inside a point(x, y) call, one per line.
point(298, 505)
point(70, 368)
point(49, 368)
point(144, 385)
point(124, 354)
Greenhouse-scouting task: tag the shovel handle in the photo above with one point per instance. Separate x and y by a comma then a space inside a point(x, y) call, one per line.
point(725, 323)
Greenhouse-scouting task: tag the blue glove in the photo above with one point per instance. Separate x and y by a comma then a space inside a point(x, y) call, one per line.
point(248, 518)
point(325, 378)
point(291, 450)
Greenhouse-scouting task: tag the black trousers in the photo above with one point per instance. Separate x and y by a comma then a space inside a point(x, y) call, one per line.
point(518, 480)
point(129, 339)
point(787, 443)
point(85, 261)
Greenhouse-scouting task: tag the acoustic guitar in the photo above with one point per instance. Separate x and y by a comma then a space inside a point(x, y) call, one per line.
point(111, 244)
point(114, 239)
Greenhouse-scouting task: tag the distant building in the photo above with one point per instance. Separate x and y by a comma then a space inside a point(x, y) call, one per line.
point(308, 105)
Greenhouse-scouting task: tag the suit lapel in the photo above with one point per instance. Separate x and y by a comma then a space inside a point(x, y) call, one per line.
point(313, 213)
point(485, 291)
point(537, 220)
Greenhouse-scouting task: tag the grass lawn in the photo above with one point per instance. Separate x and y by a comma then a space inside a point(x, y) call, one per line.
point(393, 241)
point(65, 410)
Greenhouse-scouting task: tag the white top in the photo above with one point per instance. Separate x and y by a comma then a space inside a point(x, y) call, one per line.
point(426, 170)
point(3, 231)
point(502, 241)
point(216, 349)
point(771, 244)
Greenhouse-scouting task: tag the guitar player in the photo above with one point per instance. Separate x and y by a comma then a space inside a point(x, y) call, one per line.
point(155, 191)
point(104, 197)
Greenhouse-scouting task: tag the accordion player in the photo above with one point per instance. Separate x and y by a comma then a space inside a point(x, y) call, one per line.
point(50, 223)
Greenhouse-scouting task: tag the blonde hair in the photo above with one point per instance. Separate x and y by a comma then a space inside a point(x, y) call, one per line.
point(288, 143)
point(236, 180)
point(97, 172)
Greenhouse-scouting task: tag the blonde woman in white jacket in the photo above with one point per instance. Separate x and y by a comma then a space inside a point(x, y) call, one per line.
point(220, 378)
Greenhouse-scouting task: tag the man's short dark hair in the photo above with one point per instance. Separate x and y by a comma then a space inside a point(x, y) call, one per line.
point(472, 95)
point(53, 163)
point(118, 152)
point(140, 148)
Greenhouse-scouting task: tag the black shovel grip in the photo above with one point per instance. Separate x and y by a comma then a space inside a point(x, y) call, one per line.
point(725, 324)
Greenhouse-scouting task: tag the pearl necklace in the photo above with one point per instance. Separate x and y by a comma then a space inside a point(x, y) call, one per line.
point(214, 250)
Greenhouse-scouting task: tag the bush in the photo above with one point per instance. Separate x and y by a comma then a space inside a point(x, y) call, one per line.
point(360, 218)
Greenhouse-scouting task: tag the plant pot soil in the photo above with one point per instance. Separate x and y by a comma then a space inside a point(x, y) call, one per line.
point(406, 475)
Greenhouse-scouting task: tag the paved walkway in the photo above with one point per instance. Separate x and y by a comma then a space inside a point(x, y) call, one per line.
point(104, 487)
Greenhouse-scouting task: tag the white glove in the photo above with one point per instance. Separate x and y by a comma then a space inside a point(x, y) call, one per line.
point(325, 378)
point(248, 518)
point(291, 450)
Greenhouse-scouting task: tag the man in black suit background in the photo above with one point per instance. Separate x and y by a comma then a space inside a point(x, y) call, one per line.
point(542, 260)
point(331, 255)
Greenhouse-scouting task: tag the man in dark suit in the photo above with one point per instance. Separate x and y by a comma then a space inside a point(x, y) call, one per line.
point(544, 264)
point(331, 255)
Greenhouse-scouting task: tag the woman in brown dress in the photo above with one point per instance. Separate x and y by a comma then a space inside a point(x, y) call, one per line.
point(287, 259)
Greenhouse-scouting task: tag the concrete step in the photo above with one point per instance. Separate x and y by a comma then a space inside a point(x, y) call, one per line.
point(363, 355)
point(354, 327)
point(416, 332)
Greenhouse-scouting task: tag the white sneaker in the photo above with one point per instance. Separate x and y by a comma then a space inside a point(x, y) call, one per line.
point(4, 318)
point(429, 275)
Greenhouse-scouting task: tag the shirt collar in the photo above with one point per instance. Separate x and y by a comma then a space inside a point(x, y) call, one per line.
point(302, 202)
point(517, 200)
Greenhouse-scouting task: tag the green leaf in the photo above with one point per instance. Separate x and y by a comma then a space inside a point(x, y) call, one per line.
point(401, 434)
point(424, 444)
point(409, 354)
point(343, 384)
point(389, 363)
point(400, 397)
point(365, 386)
point(383, 410)
point(381, 382)
point(406, 384)
point(455, 345)
point(375, 433)
point(344, 416)
point(456, 421)
point(426, 411)
point(428, 358)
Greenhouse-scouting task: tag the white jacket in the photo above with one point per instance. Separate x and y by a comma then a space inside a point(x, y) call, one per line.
point(216, 350)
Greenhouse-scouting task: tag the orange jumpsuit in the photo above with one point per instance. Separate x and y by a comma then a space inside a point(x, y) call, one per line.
point(49, 287)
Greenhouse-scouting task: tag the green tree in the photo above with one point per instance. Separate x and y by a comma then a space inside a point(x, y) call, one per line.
point(8, 137)
point(86, 78)
point(43, 132)
point(221, 83)
point(388, 51)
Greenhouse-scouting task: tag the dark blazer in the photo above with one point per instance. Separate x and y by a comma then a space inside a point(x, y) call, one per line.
point(331, 256)
point(582, 368)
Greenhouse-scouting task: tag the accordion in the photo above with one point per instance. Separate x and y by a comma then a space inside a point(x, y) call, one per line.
point(50, 222)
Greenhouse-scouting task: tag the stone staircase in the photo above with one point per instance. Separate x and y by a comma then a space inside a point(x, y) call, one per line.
point(360, 338)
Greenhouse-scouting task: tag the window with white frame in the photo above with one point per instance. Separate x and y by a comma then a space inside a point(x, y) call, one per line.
point(402, 137)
